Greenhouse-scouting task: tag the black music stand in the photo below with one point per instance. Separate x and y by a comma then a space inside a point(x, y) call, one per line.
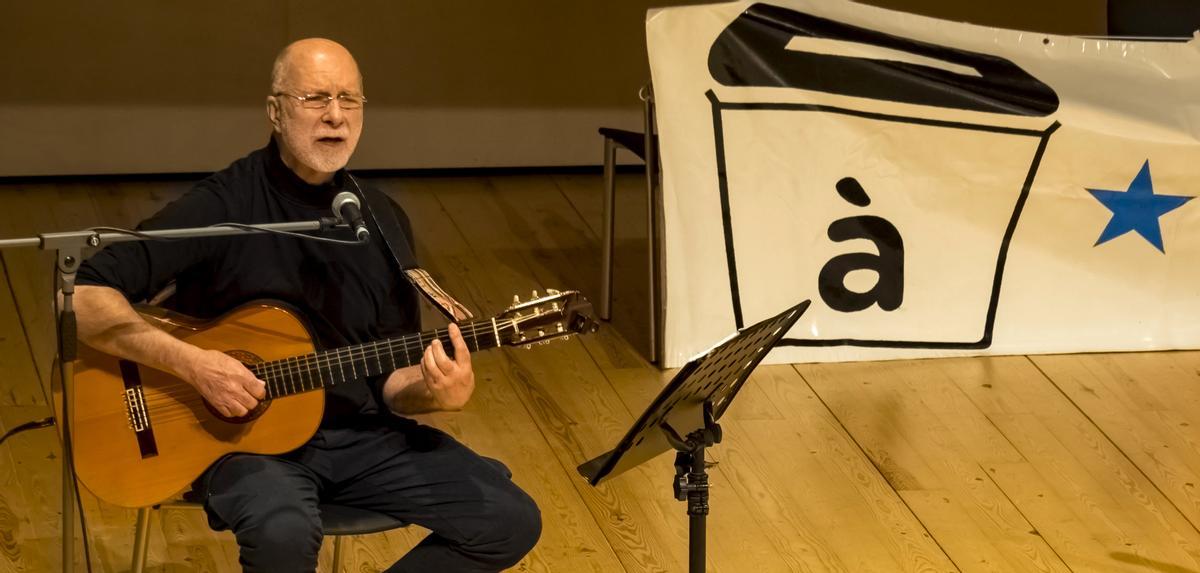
point(684, 418)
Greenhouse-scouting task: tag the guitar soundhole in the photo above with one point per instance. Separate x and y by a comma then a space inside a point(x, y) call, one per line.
point(248, 417)
point(245, 358)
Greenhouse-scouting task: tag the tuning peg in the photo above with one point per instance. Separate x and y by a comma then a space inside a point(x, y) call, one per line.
point(553, 292)
point(560, 328)
point(516, 299)
point(554, 306)
point(535, 294)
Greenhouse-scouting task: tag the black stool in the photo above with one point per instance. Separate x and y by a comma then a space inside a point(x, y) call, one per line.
point(337, 521)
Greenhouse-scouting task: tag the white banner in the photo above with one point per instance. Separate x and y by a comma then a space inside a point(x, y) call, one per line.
point(935, 188)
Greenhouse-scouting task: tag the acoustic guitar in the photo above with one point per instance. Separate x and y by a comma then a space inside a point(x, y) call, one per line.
point(141, 435)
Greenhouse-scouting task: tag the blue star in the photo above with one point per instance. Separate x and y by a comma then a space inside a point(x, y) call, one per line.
point(1137, 209)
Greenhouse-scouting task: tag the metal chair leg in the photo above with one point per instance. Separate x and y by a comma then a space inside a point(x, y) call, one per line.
point(657, 280)
point(653, 198)
point(337, 554)
point(141, 539)
point(610, 204)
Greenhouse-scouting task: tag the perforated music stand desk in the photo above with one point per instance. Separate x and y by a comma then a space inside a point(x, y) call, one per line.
point(683, 418)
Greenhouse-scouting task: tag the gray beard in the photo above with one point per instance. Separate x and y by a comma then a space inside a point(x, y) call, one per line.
point(306, 155)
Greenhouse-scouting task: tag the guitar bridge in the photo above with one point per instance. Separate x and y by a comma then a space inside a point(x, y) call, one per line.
point(135, 409)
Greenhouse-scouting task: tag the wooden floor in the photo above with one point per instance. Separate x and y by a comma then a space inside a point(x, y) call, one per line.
point(1044, 463)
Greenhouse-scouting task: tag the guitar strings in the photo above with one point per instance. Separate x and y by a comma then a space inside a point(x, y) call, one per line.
point(193, 398)
point(281, 375)
point(277, 372)
point(273, 372)
point(297, 374)
point(310, 364)
point(173, 410)
point(287, 371)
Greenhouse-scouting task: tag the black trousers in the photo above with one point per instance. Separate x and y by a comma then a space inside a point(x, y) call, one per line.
point(479, 519)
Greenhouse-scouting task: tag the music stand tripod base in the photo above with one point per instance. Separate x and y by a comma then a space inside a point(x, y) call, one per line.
point(683, 418)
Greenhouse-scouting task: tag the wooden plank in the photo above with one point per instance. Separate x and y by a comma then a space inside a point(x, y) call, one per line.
point(585, 194)
point(877, 415)
point(929, 441)
point(36, 556)
point(944, 517)
point(1147, 404)
point(375, 552)
point(182, 539)
point(31, 271)
point(36, 457)
point(1104, 497)
point(36, 461)
point(21, 385)
point(624, 339)
point(23, 543)
point(18, 537)
point(855, 450)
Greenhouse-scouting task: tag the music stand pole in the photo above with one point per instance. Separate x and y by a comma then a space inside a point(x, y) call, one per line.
point(69, 248)
point(695, 398)
point(691, 481)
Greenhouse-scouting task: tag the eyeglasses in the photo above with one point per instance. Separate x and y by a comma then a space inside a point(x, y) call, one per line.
point(321, 101)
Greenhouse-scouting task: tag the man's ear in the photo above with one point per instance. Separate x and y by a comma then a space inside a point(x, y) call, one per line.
point(274, 114)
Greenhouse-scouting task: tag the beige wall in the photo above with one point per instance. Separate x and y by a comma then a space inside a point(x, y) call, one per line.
point(139, 86)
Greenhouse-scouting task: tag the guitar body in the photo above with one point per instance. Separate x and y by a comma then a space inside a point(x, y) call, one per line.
point(141, 435)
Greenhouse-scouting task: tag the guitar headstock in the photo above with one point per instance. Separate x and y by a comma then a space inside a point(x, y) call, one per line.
point(544, 318)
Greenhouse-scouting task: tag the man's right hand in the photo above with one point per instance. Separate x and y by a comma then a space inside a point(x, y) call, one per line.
point(226, 383)
point(108, 324)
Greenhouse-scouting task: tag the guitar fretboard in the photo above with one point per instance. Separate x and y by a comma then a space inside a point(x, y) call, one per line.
point(351, 363)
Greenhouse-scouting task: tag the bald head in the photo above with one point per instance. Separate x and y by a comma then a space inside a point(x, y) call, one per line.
point(303, 57)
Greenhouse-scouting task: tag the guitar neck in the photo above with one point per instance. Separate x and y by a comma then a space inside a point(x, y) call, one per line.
point(352, 363)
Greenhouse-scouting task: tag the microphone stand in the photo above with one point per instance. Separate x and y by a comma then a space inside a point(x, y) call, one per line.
point(69, 246)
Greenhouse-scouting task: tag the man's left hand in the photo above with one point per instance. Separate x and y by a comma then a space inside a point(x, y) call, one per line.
point(450, 381)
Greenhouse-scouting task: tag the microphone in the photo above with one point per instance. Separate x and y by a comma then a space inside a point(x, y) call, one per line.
point(349, 210)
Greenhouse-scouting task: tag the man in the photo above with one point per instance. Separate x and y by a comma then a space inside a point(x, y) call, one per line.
point(362, 455)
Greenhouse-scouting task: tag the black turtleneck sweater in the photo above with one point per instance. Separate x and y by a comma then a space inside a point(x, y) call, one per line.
point(348, 294)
